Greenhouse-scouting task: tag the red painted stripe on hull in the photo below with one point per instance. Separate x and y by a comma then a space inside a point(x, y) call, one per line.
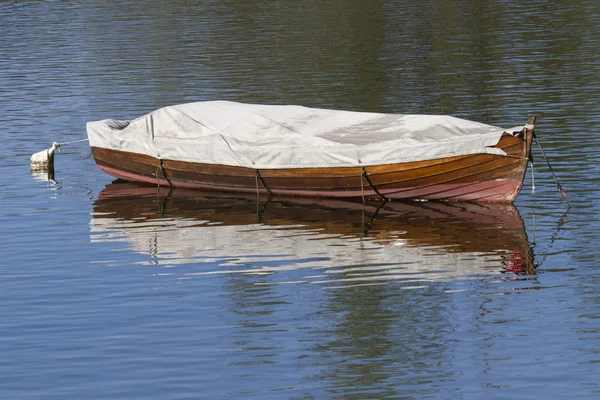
point(492, 191)
point(501, 190)
point(496, 190)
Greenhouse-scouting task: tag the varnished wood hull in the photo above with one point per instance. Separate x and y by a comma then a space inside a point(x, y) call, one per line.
point(477, 177)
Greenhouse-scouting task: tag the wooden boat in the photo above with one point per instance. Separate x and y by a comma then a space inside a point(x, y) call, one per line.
point(443, 158)
point(432, 234)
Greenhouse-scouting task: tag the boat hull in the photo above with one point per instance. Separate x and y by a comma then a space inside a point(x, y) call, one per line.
point(477, 177)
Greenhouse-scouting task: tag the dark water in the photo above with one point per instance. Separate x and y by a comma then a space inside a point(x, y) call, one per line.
point(109, 291)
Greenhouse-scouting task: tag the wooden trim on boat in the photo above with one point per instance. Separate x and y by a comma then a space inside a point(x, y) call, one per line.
point(476, 177)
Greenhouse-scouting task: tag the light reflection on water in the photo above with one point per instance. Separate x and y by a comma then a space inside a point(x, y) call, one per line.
point(328, 242)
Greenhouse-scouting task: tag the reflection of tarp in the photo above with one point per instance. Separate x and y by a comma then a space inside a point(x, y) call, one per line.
point(443, 239)
point(262, 136)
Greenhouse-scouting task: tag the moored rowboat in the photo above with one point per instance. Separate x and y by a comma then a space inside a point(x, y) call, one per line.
point(299, 151)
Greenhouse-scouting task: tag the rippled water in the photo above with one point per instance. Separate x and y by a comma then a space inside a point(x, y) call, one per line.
point(109, 290)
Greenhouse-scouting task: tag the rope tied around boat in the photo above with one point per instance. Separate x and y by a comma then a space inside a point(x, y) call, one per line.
point(366, 176)
point(259, 178)
point(517, 157)
point(161, 166)
point(362, 190)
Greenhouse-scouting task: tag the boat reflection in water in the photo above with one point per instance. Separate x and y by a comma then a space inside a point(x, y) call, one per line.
point(321, 241)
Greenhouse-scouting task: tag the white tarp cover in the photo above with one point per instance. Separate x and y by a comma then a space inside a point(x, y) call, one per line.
point(273, 136)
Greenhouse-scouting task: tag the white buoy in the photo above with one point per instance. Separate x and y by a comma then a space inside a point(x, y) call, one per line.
point(43, 160)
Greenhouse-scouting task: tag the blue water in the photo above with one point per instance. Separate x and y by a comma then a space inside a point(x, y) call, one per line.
point(108, 293)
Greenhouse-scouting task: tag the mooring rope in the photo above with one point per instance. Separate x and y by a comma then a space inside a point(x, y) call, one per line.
point(58, 146)
point(532, 177)
point(560, 189)
point(74, 141)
